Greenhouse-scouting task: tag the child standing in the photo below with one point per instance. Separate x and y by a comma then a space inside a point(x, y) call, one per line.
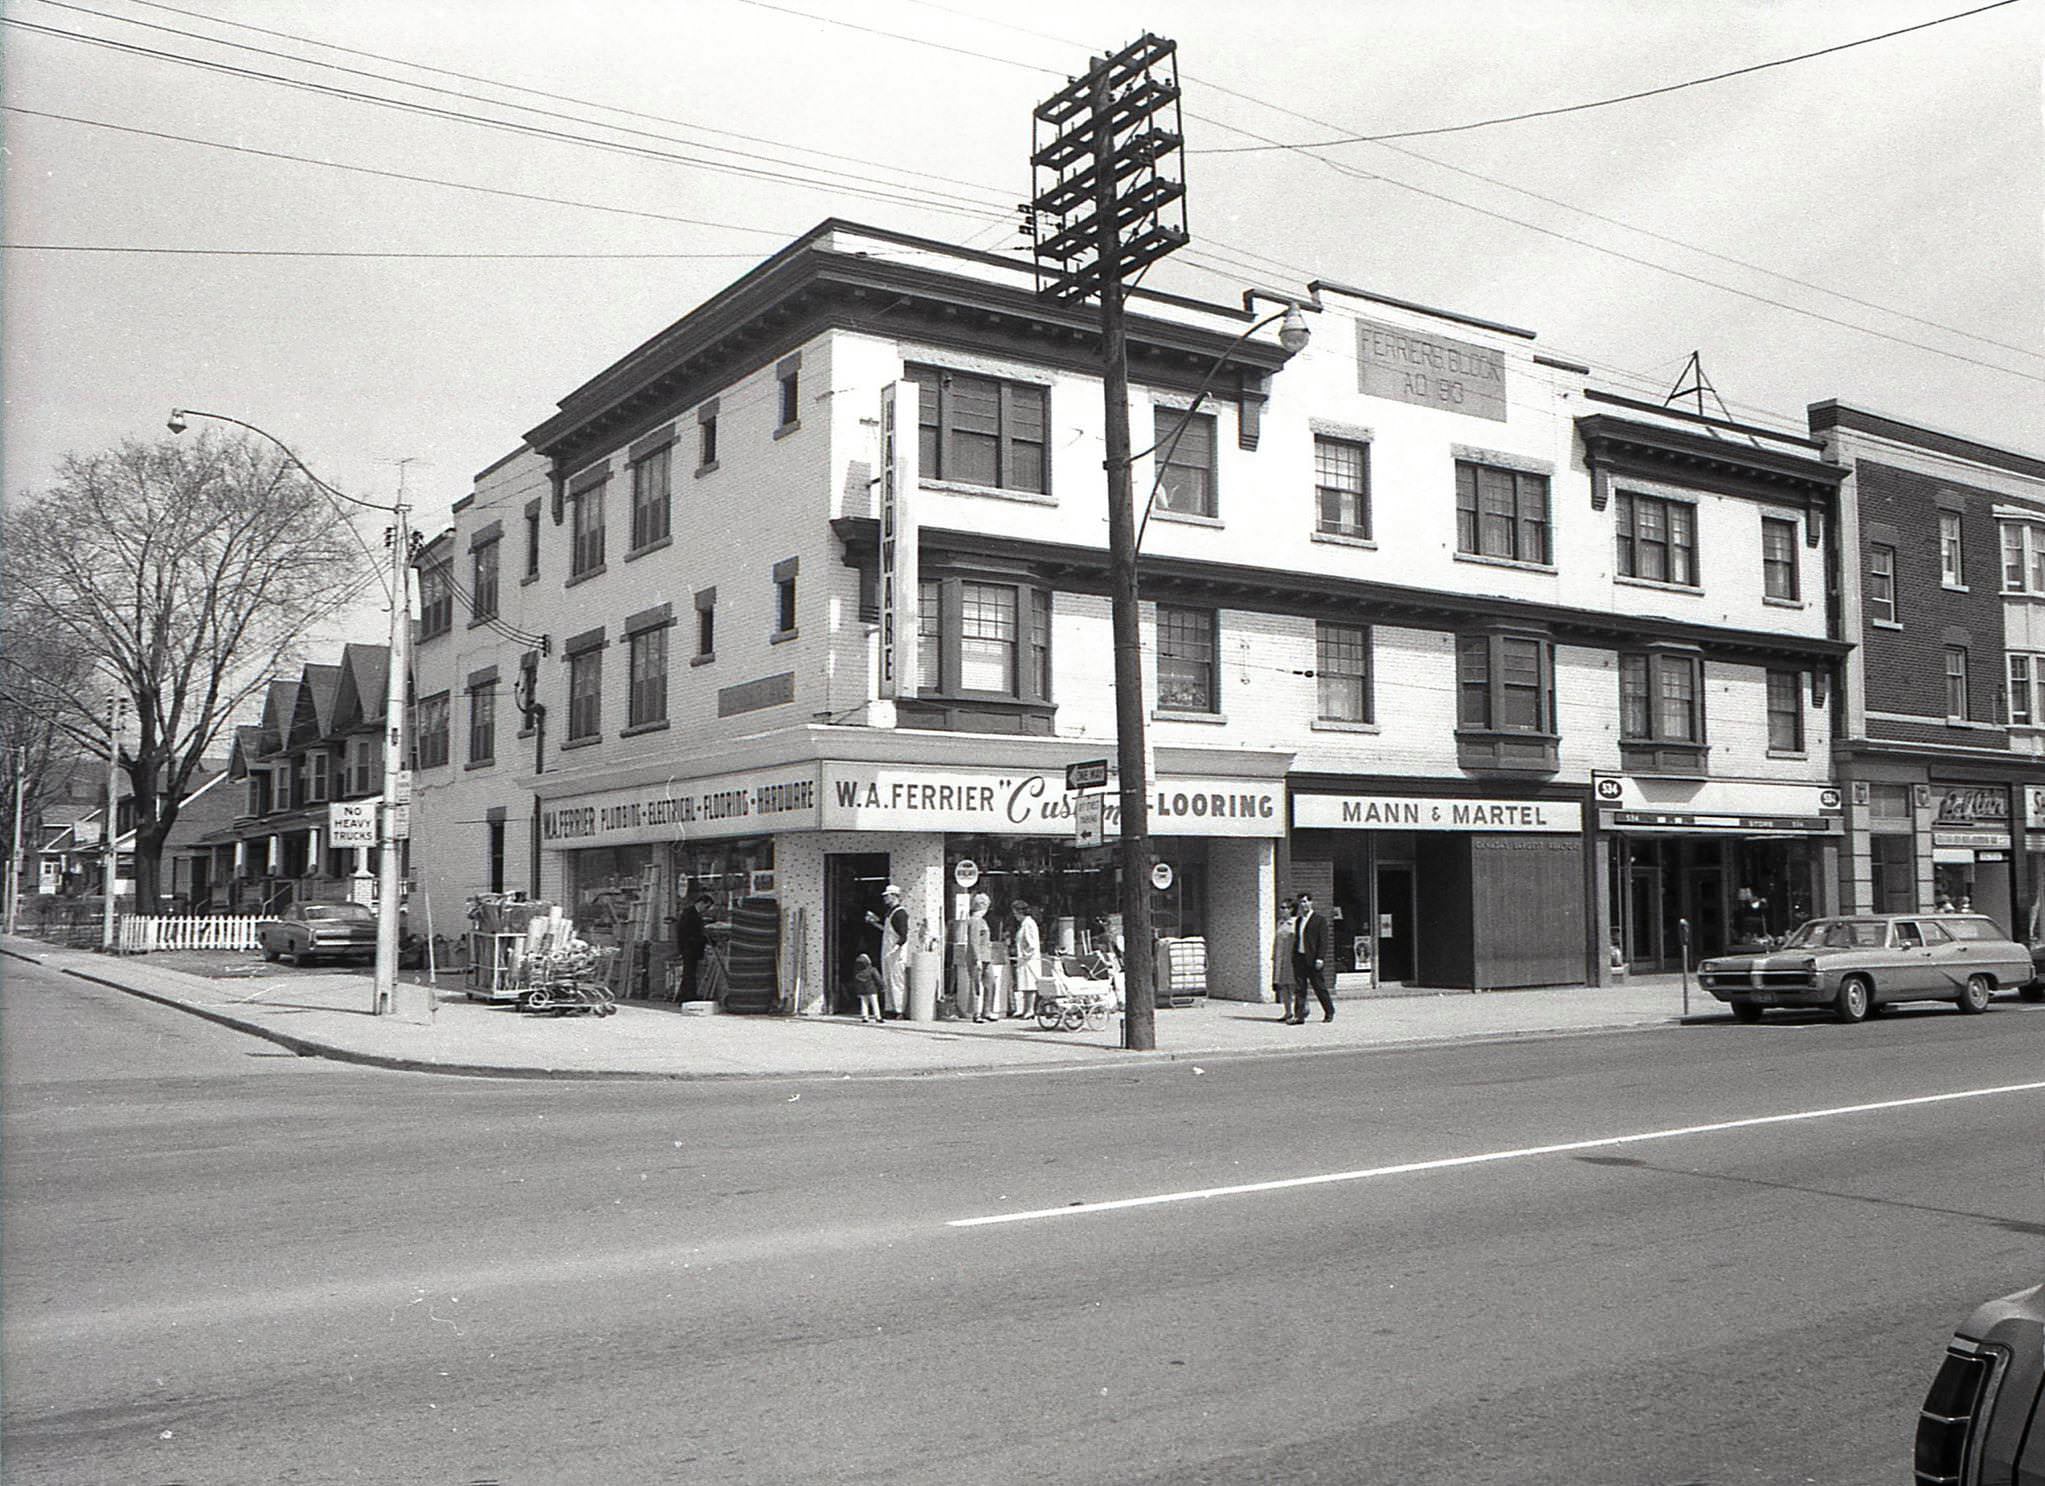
point(866, 984)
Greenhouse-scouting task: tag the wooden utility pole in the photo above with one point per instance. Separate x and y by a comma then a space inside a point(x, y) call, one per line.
point(110, 856)
point(390, 839)
point(14, 860)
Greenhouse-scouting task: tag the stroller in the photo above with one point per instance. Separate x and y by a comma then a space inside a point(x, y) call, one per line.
point(570, 980)
point(1079, 991)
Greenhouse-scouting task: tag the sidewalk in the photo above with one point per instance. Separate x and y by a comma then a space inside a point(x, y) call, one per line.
point(328, 1015)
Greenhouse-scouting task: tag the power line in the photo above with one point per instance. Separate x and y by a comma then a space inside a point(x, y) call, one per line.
point(630, 113)
point(957, 51)
point(399, 175)
point(1549, 113)
point(334, 252)
point(533, 131)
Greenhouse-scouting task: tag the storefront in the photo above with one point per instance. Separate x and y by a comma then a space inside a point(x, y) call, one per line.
point(1971, 871)
point(1728, 862)
point(1471, 892)
point(813, 843)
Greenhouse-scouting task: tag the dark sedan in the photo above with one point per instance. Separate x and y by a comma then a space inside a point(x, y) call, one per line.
point(308, 931)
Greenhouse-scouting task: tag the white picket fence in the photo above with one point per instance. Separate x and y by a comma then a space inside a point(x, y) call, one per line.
point(138, 934)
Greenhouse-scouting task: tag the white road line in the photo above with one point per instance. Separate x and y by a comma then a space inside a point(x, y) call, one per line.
point(1078, 1209)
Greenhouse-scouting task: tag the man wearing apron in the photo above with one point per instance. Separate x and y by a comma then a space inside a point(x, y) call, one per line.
point(894, 950)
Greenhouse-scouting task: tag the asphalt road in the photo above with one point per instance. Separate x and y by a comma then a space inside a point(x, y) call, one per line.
point(223, 1265)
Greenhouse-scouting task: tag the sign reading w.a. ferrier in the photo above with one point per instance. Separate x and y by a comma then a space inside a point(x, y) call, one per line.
point(1034, 802)
point(1430, 370)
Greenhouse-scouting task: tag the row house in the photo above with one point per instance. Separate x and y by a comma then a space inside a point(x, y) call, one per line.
point(320, 740)
point(806, 594)
point(1941, 745)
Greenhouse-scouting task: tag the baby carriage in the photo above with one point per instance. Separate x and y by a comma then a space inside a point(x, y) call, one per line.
point(570, 980)
point(1078, 991)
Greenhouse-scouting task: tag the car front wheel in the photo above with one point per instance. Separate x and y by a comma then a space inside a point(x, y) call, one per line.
point(2035, 991)
point(1975, 994)
point(270, 954)
point(1746, 1011)
point(1850, 1005)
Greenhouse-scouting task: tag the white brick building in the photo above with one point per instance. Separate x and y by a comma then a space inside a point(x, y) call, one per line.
point(1505, 669)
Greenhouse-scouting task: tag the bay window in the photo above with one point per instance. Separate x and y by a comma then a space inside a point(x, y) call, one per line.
point(983, 656)
point(1505, 701)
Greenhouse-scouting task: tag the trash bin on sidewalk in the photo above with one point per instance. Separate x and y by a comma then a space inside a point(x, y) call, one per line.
point(926, 973)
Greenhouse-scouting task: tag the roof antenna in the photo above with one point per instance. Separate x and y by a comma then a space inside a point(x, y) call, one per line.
point(1699, 386)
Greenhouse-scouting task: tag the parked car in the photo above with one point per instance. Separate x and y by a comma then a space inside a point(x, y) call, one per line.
point(1981, 1420)
point(1861, 964)
point(2035, 991)
point(305, 931)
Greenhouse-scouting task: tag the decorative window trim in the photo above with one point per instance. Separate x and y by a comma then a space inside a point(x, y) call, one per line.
point(937, 472)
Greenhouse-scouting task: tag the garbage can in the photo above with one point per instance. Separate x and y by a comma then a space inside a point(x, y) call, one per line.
point(926, 971)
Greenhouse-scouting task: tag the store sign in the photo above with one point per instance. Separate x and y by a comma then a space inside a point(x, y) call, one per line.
point(1972, 815)
point(1430, 370)
point(783, 799)
point(898, 556)
point(1426, 813)
point(1025, 802)
point(1646, 802)
point(2034, 806)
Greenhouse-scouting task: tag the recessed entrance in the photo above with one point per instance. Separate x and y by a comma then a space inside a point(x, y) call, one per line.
point(852, 886)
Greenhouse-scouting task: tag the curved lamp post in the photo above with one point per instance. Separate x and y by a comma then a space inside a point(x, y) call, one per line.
point(400, 590)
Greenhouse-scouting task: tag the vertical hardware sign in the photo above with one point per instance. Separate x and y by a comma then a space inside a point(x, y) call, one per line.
point(898, 566)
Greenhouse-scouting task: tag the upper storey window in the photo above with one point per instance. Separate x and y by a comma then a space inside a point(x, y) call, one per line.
point(1657, 538)
point(981, 430)
point(1501, 513)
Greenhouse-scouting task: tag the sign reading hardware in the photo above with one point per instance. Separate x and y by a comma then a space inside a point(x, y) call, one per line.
point(1028, 802)
point(726, 805)
point(898, 553)
point(1417, 813)
point(1430, 370)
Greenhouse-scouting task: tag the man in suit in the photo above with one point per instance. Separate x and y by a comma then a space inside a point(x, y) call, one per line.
point(1310, 962)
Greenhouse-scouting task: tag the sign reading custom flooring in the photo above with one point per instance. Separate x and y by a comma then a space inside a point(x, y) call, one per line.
point(1419, 813)
point(1025, 802)
point(1430, 370)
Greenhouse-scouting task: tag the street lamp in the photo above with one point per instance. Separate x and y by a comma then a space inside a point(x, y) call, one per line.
point(388, 837)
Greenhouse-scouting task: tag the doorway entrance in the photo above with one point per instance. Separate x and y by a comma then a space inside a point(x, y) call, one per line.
point(1394, 925)
point(852, 885)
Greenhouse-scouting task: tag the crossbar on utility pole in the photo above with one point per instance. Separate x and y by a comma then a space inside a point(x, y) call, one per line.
point(1139, 997)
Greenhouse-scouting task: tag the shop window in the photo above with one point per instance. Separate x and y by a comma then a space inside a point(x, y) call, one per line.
point(585, 694)
point(482, 722)
point(1342, 487)
point(981, 431)
point(1881, 584)
point(436, 600)
point(1505, 702)
point(1186, 660)
point(1657, 538)
point(586, 529)
point(2020, 690)
point(1501, 513)
point(1342, 672)
point(651, 501)
point(646, 702)
point(1661, 712)
point(429, 731)
point(1785, 712)
point(1185, 461)
point(1779, 578)
point(1956, 683)
point(1952, 561)
point(983, 656)
point(483, 591)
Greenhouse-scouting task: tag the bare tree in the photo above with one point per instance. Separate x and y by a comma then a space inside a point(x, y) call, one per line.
point(39, 729)
point(188, 574)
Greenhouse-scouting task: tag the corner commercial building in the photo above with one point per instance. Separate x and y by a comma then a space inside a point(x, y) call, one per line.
point(1507, 670)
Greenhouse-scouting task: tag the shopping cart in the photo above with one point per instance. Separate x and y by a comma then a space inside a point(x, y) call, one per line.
point(570, 981)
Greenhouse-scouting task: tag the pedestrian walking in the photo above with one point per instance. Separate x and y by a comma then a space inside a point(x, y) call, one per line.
point(692, 937)
point(980, 957)
point(1310, 962)
point(866, 984)
point(893, 923)
point(1281, 957)
point(1029, 951)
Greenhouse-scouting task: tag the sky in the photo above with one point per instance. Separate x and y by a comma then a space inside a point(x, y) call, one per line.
point(1864, 225)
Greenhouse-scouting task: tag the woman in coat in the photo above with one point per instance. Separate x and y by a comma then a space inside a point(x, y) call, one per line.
point(1029, 952)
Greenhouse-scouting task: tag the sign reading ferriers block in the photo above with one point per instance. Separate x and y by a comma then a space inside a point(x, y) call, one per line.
point(898, 568)
point(1430, 370)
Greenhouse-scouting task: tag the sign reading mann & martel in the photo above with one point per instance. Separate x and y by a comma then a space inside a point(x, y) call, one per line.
point(1430, 370)
point(1420, 813)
